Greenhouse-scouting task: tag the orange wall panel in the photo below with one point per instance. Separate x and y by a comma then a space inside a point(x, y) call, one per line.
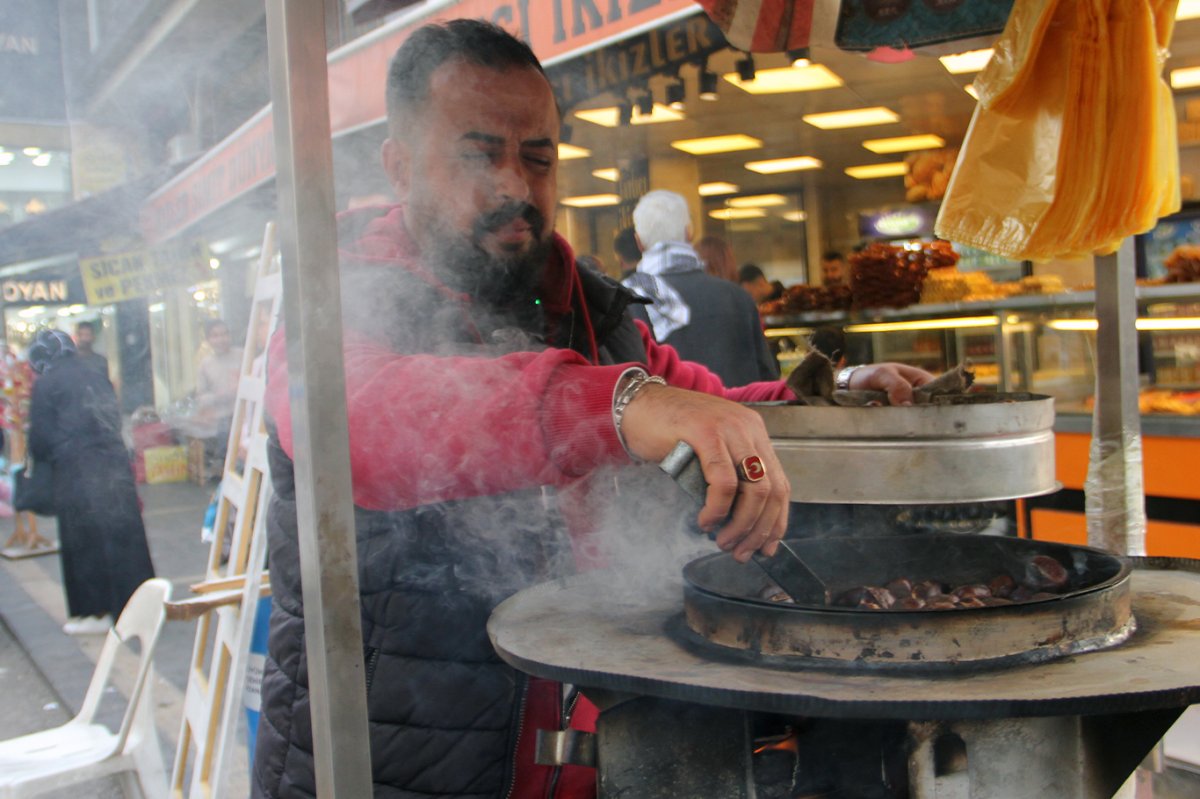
point(1163, 539)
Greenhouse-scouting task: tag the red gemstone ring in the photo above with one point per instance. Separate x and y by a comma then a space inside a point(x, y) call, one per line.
point(751, 469)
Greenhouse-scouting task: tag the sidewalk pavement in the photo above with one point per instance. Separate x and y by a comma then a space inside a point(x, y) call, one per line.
point(44, 672)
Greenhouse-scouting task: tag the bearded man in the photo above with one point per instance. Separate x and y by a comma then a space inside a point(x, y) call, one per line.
point(485, 374)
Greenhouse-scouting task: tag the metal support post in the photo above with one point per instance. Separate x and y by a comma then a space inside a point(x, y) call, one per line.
point(312, 315)
point(1116, 506)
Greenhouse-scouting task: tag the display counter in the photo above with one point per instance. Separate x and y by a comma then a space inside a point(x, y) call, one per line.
point(1047, 344)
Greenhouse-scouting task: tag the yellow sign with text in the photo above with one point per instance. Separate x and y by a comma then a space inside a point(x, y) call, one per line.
point(140, 273)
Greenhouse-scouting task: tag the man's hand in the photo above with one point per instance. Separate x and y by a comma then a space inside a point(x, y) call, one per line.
point(897, 379)
point(722, 433)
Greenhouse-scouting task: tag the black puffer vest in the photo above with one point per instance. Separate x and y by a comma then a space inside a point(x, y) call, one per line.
point(443, 708)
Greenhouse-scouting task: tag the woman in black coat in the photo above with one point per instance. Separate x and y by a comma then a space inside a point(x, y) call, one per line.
point(75, 428)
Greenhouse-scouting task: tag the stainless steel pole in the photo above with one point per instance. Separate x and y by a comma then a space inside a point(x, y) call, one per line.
point(313, 319)
point(1115, 498)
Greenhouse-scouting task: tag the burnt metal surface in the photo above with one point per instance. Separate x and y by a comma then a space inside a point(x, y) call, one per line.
point(976, 451)
point(594, 631)
point(724, 609)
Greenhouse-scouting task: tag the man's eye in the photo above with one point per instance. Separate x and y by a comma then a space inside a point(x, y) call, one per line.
point(545, 163)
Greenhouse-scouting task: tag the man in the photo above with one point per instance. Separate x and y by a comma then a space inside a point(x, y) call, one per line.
point(217, 378)
point(706, 319)
point(628, 252)
point(484, 372)
point(85, 340)
point(833, 269)
point(752, 279)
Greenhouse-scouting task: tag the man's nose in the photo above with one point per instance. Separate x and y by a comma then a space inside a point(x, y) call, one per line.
point(512, 183)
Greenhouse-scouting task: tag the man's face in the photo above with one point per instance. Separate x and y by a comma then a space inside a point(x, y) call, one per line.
point(477, 171)
point(84, 338)
point(759, 288)
point(833, 271)
point(219, 339)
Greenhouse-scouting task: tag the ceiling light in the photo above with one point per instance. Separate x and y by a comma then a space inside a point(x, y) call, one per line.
point(214, 263)
point(710, 145)
point(645, 104)
point(708, 85)
point(32, 151)
point(854, 118)
point(757, 201)
point(1141, 323)
point(905, 144)
point(737, 213)
point(894, 169)
point(610, 117)
point(1187, 78)
point(970, 61)
point(676, 95)
point(568, 151)
point(970, 89)
point(717, 187)
point(42, 160)
point(6, 158)
point(800, 57)
point(745, 68)
point(591, 200)
point(1187, 9)
point(787, 79)
point(776, 165)
point(609, 173)
point(794, 216)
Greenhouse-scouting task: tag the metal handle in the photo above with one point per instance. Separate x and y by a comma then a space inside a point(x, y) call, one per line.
point(684, 468)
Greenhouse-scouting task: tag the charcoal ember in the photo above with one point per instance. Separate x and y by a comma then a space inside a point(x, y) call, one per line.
point(1002, 586)
point(1044, 572)
point(909, 603)
point(900, 588)
point(976, 591)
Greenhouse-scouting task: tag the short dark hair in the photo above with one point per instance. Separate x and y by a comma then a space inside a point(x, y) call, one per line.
point(90, 326)
point(212, 324)
point(626, 247)
point(749, 273)
point(430, 46)
point(831, 255)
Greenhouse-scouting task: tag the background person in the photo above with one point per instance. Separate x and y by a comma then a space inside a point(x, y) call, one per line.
point(833, 269)
point(704, 318)
point(85, 339)
point(752, 279)
point(75, 428)
point(628, 253)
point(217, 378)
point(717, 257)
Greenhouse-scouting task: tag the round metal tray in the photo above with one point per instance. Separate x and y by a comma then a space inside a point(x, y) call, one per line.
point(1000, 449)
point(724, 613)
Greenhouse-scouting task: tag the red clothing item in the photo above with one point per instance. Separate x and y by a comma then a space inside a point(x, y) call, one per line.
point(426, 429)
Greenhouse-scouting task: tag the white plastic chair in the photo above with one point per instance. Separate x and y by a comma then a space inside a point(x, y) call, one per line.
point(82, 750)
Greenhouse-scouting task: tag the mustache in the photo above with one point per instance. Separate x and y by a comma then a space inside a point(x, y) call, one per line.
point(510, 212)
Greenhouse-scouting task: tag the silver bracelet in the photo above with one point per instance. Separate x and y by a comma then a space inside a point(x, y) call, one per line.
point(842, 381)
point(629, 384)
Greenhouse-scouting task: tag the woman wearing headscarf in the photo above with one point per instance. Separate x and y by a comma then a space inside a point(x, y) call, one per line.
point(75, 428)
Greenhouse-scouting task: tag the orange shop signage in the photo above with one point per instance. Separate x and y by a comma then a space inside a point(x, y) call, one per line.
point(556, 29)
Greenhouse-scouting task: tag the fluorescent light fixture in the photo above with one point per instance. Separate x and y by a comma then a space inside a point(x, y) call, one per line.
point(77, 308)
point(780, 332)
point(783, 80)
point(710, 145)
point(737, 213)
point(905, 144)
point(777, 165)
point(610, 117)
point(566, 152)
point(794, 216)
point(970, 89)
point(1142, 323)
point(32, 151)
point(591, 200)
point(31, 311)
point(757, 201)
point(6, 158)
point(970, 61)
point(925, 324)
point(854, 118)
point(1187, 9)
point(42, 160)
point(717, 187)
point(1186, 78)
point(892, 169)
point(610, 173)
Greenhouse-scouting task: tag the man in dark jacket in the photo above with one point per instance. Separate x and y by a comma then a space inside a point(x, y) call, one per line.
point(706, 319)
point(484, 373)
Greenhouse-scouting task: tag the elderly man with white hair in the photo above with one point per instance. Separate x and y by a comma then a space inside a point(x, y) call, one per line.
point(706, 319)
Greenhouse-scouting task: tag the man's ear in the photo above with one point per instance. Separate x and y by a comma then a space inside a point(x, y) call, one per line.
point(396, 157)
